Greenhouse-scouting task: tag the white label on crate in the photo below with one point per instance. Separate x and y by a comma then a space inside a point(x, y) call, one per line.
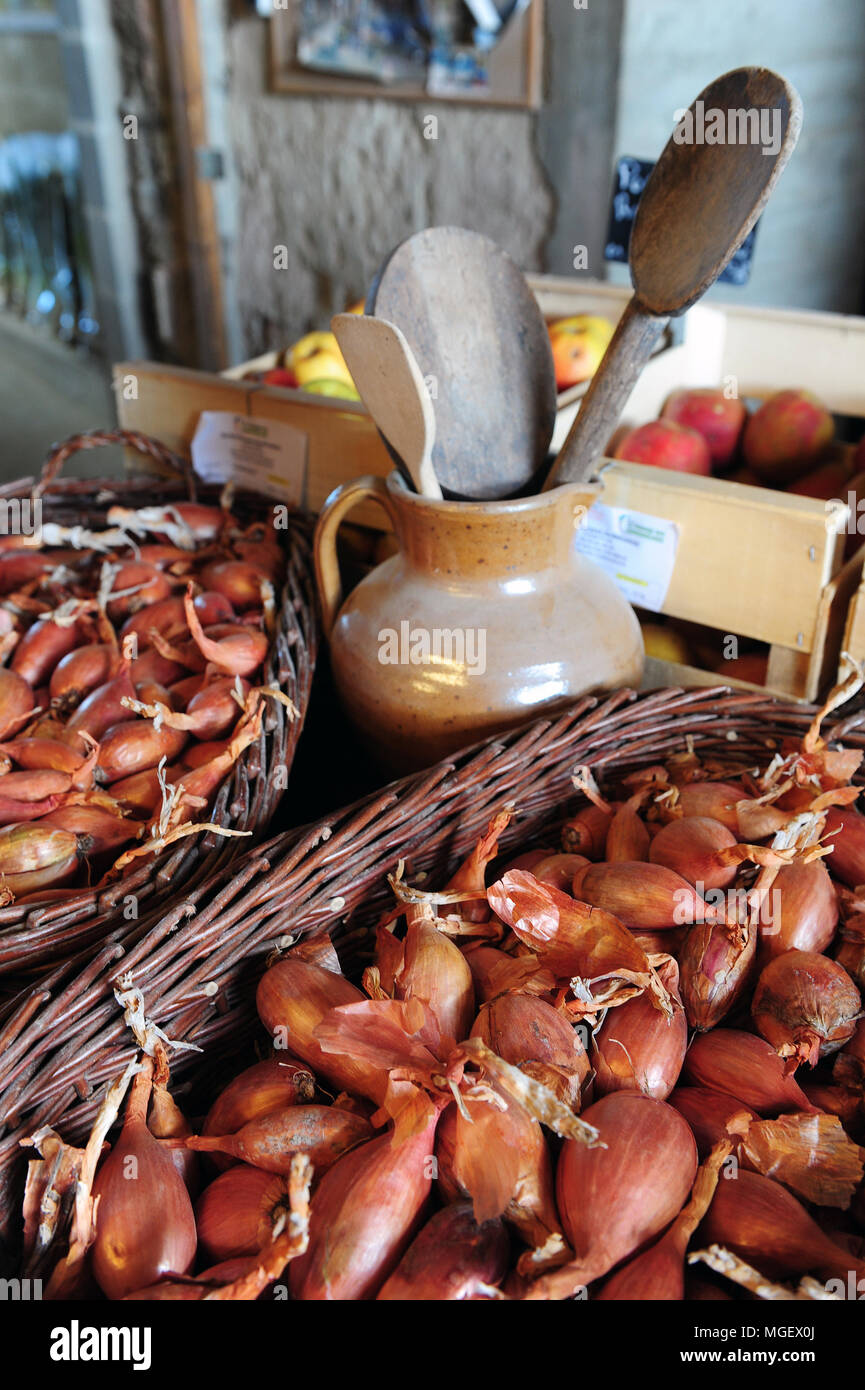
point(635, 549)
point(260, 455)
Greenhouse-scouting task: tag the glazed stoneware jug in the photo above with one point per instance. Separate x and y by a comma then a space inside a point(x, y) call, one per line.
point(486, 616)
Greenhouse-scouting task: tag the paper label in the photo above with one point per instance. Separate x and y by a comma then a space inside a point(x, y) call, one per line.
point(263, 456)
point(638, 551)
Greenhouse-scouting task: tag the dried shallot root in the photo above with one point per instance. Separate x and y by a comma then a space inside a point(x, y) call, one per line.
point(103, 736)
point(575, 1067)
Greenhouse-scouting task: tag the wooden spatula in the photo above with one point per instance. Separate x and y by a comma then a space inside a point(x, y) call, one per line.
point(388, 378)
point(699, 204)
point(479, 336)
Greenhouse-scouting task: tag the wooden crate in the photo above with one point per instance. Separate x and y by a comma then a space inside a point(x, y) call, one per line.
point(751, 561)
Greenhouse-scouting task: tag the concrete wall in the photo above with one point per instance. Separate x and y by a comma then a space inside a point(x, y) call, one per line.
point(811, 242)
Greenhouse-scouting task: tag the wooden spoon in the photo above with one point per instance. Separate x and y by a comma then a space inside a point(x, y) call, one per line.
point(388, 378)
point(699, 204)
point(479, 336)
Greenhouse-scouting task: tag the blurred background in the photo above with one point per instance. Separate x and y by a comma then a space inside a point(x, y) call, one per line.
point(200, 181)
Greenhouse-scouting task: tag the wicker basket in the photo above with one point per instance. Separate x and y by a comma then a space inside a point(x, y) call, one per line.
point(199, 964)
point(32, 938)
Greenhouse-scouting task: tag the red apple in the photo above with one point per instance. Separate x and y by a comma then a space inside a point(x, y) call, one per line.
point(280, 376)
point(831, 476)
point(787, 435)
point(718, 419)
point(665, 444)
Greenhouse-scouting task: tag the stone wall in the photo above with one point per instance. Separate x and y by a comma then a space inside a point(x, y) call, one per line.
point(340, 182)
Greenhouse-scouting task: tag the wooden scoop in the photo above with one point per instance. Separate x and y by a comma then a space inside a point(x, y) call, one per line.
point(478, 334)
point(388, 378)
point(699, 204)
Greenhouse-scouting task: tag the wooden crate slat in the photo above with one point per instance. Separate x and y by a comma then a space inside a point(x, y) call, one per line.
point(749, 561)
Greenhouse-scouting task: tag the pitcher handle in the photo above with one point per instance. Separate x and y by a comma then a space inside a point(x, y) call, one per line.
point(339, 503)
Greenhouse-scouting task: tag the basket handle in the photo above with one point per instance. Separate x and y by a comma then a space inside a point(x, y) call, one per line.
point(94, 439)
point(341, 501)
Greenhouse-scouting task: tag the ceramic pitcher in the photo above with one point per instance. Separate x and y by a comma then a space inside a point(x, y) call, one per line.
point(485, 617)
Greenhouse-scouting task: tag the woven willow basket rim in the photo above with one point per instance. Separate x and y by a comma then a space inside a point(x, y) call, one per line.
point(198, 966)
point(32, 937)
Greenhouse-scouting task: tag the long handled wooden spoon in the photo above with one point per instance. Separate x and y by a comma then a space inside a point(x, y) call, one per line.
point(388, 378)
point(699, 204)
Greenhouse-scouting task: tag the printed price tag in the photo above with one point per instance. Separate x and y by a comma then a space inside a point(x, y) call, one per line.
point(260, 455)
point(638, 551)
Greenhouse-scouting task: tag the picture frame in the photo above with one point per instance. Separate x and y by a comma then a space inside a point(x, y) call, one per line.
point(515, 68)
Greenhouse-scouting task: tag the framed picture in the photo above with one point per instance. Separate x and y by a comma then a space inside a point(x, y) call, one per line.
point(421, 50)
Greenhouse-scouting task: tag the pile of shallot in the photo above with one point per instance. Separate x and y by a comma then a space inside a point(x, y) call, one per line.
point(626, 1066)
point(130, 658)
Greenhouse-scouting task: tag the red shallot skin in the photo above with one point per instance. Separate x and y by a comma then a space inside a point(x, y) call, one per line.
point(18, 568)
point(237, 580)
point(144, 1222)
point(434, 970)
point(16, 701)
point(198, 754)
point(806, 1006)
point(134, 746)
point(140, 794)
point(170, 614)
point(292, 999)
point(517, 1184)
point(36, 856)
point(586, 832)
point(804, 911)
point(257, 1091)
point(323, 1132)
point(556, 869)
point(43, 753)
point(103, 829)
point(79, 672)
point(746, 1067)
point(215, 708)
point(152, 666)
point(235, 1214)
point(151, 584)
point(363, 1217)
point(103, 707)
point(532, 1035)
point(41, 647)
point(627, 838)
point(34, 784)
point(717, 800)
point(637, 1048)
point(494, 972)
point(712, 1115)
point(845, 832)
point(453, 1258)
point(614, 1200)
point(690, 847)
point(717, 967)
point(646, 897)
point(14, 813)
point(764, 1224)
